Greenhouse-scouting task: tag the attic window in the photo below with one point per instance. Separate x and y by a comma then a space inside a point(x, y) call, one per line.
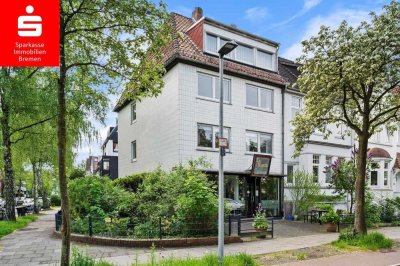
point(212, 43)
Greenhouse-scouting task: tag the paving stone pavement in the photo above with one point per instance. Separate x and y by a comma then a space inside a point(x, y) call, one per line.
point(36, 245)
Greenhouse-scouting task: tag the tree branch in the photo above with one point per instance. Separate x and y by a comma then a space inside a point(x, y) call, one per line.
point(383, 94)
point(32, 125)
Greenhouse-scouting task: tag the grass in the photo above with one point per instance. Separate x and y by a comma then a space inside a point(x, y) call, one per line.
point(83, 259)
point(7, 227)
point(209, 260)
point(372, 241)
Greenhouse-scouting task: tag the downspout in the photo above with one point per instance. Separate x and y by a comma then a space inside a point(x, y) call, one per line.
point(283, 149)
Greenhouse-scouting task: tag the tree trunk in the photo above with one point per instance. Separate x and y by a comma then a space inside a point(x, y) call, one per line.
point(35, 187)
point(9, 193)
point(43, 191)
point(62, 140)
point(360, 225)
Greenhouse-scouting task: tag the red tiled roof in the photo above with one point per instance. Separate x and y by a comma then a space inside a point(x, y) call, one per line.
point(184, 47)
point(378, 153)
point(397, 161)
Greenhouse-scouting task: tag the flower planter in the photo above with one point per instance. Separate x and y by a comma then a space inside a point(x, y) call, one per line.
point(331, 227)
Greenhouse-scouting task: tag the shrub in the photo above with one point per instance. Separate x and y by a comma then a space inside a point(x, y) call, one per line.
point(77, 173)
point(131, 182)
point(371, 241)
point(303, 192)
point(372, 210)
point(388, 209)
point(260, 220)
point(197, 207)
point(55, 200)
point(80, 259)
point(95, 195)
point(330, 217)
point(326, 207)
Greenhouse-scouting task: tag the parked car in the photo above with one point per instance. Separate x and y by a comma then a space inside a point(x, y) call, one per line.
point(234, 205)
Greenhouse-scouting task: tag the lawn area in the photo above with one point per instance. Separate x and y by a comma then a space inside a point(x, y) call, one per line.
point(209, 260)
point(7, 227)
point(372, 241)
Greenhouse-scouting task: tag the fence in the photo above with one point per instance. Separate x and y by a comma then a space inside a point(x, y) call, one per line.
point(156, 227)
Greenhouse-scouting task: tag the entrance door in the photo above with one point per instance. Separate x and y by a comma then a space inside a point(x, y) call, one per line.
point(252, 195)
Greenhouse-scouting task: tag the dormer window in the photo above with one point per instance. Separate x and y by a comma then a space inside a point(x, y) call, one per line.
point(243, 53)
point(212, 43)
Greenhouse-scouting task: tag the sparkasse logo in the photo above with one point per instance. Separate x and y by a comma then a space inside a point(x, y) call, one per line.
point(29, 33)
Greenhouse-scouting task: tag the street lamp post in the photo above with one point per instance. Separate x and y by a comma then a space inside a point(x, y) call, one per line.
point(224, 50)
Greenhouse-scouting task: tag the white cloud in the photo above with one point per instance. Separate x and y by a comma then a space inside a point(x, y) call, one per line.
point(308, 4)
point(353, 17)
point(256, 14)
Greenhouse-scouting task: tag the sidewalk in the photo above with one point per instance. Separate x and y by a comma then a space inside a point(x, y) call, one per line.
point(35, 245)
point(251, 248)
point(364, 258)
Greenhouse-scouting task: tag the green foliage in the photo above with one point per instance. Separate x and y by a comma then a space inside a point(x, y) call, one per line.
point(197, 206)
point(7, 227)
point(325, 207)
point(371, 241)
point(55, 200)
point(303, 192)
point(330, 217)
point(97, 196)
point(388, 210)
point(372, 211)
point(81, 259)
point(157, 194)
point(348, 76)
point(209, 260)
point(260, 220)
point(344, 178)
point(131, 182)
point(328, 198)
point(77, 173)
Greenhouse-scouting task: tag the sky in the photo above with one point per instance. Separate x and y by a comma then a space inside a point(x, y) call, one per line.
point(287, 22)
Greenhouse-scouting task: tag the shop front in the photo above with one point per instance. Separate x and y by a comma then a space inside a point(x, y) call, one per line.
point(254, 192)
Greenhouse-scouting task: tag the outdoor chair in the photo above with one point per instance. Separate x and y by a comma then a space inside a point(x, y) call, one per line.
point(311, 215)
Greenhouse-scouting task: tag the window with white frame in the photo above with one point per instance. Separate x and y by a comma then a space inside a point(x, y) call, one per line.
point(212, 43)
point(315, 168)
point(264, 59)
point(208, 86)
point(328, 170)
point(243, 53)
point(207, 136)
point(133, 151)
point(258, 142)
point(295, 105)
point(385, 173)
point(133, 112)
point(259, 97)
point(374, 173)
point(290, 170)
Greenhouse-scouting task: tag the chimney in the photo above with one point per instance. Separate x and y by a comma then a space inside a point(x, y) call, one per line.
point(197, 13)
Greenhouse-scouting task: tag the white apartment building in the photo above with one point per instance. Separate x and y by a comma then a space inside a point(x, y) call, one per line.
point(182, 122)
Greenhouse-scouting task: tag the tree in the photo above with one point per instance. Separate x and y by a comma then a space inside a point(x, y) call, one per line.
point(106, 43)
point(351, 76)
point(18, 117)
point(344, 178)
point(303, 191)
